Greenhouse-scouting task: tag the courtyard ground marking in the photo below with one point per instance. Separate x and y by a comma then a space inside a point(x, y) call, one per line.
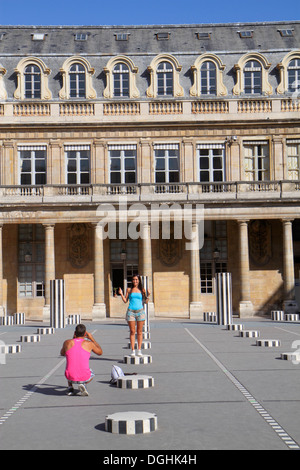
point(281, 433)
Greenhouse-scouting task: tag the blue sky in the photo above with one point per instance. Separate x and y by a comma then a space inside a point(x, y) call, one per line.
point(143, 12)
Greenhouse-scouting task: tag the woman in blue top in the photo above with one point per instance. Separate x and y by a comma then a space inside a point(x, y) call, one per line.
point(136, 295)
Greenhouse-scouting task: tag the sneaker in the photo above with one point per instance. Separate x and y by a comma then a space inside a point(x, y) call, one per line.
point(132, 353)
point(139, 353)
point(83, 390)
point(70, 391)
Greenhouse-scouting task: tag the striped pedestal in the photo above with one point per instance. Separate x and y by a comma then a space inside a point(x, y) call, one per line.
point(210, 317)
point(73, 320)
point(146, 334)
point(277, 315)
point(268, 343)
point(249, 334)
point(11, 348)
point(135, 382)
point(57, 304)
point(131, 422)
point(235, 327)
point(291, 317)
point(7, 321)
point(291, 356)
point(144, 345)
point(145, 359)
point(30, 338)
point(19, 318)
point(224, 298)
point(45, 331)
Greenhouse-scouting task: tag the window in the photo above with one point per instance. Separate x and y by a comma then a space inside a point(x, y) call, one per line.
point(32, 76)
point(215, 238)
point(294, 75)
point(122, 36)
point(78, 164)
point(38, 36)
point(31, 260)
point(208, 78)
point(162, 36)
point(164, 79)
point(253, 77)
point(203, 35)
point(32, 165)
point(81, 36)
point(166, 163)
point(121, 80)
point(293, 159)
point(122, 164)
point(211, 162)
point(286, 32)
point(256, 161)
point(246, 34)
point(124, 258)
point(77, 81)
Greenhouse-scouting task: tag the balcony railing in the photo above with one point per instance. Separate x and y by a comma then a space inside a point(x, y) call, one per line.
point(97, 193)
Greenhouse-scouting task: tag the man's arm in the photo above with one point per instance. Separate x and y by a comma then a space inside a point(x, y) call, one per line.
point(96, 348)
point(64, 348)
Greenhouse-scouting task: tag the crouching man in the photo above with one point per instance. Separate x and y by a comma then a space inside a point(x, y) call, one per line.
point(77, 352)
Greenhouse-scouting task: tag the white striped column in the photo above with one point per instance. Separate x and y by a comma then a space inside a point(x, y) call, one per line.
point(99, 307)
point(49, 266)
point(196, 308)
point(288, 260)
point(147, 264)
point(245, 306)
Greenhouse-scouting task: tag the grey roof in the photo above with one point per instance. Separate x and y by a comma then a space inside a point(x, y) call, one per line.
point(142, 39)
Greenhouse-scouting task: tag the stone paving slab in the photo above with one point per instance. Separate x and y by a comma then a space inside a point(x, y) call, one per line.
point(213, 390)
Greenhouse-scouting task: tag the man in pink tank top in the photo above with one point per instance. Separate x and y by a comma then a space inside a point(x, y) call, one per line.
point(77, 352)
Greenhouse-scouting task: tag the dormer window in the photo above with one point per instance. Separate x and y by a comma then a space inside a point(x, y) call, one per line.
point(122, 36)
point(38, 37)
point(162, 36)
point(246, 34)
point(286, 32)
point(81, 36)
point(203, 35)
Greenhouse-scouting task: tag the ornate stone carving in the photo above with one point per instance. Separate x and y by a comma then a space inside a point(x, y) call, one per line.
point(260, 242)
point(169, 249)
point(79, 245)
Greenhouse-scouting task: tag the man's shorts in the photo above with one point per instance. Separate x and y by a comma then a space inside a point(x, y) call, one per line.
point(135, 315)
point(84, 381)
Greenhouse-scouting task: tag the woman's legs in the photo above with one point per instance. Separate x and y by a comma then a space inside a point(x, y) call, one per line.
point(140, 325)
point(131, 325)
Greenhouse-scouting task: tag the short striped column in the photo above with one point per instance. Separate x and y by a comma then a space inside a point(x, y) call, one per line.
point(291, 317)
point(146, 335)
point(291, 356)
point(7, 321)
point(210, 317)
point(19, 318)
point(57, 304)
point(73, 319)
point(12, 348)
point(224, 298)
point(45, 331)
point(235, 327)
point(135, 382)
point(277, 315)
point(144, 359)
point(131, 422)
point(268, 343)
point(249, 334)
point(144, 345)
point(30, 338)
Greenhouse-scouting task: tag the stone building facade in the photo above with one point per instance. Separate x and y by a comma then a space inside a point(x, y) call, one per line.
point(133, 121)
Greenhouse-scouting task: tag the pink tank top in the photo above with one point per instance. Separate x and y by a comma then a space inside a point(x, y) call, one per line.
point(77, 368)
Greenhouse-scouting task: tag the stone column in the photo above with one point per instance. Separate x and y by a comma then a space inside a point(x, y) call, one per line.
point(147, 263)
point(49, 266)
point(196, 308)
point(2, 312)
point(99, 307)
point(245, 307)
point(288, 261)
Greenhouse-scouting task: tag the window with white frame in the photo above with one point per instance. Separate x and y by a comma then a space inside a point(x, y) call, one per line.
point(256, 158)
point(165, 79)
point(77, 164)
point(208, 78)
point(121, 80)
point(253, 77)
point(211, 158)
point(77, 81)
point(31, 258)
point(293, 159)
point(122, 161)
point(166, 163)
point(215, 242)
point(33, 81)
point(293, 71)
point(32, 165)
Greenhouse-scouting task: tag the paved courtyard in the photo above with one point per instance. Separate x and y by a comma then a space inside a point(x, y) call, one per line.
point(212, 390)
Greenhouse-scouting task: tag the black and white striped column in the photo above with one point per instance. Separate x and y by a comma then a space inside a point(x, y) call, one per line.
point(224, 298)
point(73, 319)
point(30, 338)
point(19, 318)
point(145, 283)
point(134, 382)
point(131, 422)
point(57, 304)
point(7, 320)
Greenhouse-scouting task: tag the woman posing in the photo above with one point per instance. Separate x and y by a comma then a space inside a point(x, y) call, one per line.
point(136, 295)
